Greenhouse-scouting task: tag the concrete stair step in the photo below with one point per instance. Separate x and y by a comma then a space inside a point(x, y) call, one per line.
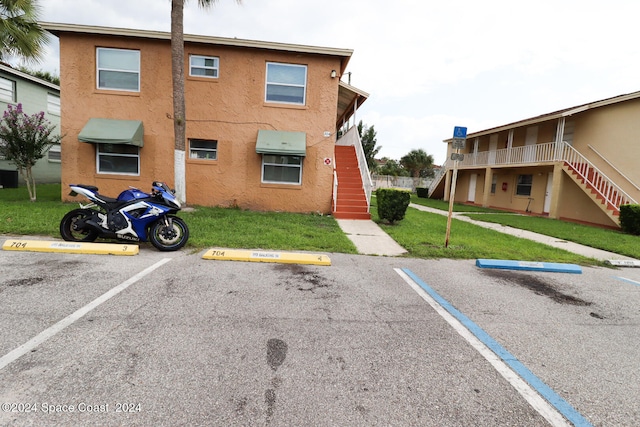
point(351, 200)
point(352, 215)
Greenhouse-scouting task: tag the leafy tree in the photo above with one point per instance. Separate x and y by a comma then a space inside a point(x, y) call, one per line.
point(43, 75)
point(24, 140)
point(369, 141)
point(20, 33)
point(418, 163)
point(179, 109)
point(391, 167)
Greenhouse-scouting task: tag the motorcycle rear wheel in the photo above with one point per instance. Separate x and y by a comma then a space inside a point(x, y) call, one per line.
point(169, 238)
point(69, 229)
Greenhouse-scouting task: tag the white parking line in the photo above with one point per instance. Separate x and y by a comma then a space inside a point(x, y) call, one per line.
point(552, 410)
point(70, 319)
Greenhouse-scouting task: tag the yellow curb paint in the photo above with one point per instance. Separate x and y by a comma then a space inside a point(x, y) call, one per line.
point(263, 256)
point(70, 247)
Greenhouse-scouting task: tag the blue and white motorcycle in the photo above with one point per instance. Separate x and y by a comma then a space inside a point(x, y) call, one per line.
point(133, 216)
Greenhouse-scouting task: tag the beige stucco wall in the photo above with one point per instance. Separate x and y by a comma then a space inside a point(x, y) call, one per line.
point(611, 130)
point(577, 206)
point(230, 109)
point(614, 132)
point(506, 199)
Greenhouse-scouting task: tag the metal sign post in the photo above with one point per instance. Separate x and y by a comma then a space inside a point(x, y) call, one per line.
point(459, 139)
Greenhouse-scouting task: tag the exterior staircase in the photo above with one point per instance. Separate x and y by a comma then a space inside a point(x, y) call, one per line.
point(606, 196)
point(350, 201)
point(604, 192)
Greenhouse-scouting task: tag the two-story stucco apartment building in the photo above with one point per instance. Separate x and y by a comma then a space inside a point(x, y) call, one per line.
point(35, 95)
point(261, 121)
point(579, 163)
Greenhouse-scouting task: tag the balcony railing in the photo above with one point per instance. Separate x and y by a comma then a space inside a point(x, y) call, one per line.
point(538, 153)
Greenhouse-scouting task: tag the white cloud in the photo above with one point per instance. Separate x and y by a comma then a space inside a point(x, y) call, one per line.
point(428, 66)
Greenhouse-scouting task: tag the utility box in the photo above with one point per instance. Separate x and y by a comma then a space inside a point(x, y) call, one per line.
point(8, 179)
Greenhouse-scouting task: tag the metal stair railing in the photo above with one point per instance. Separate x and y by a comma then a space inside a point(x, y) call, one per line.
point(352, 138)
point(437, 177)
point(594, 178)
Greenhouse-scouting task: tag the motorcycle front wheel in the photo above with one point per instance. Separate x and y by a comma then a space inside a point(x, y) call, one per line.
point(71, 232)
point(169, 237)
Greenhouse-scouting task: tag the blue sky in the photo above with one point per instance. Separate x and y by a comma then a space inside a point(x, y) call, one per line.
point(428, 66)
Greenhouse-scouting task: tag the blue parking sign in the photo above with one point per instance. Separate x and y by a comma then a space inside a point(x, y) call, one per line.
point(459, 132)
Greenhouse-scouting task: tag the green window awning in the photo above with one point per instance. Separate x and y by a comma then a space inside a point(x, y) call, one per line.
point(280, 142)
point(110, 131)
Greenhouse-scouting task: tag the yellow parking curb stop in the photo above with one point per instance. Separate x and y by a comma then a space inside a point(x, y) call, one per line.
point(70, 247)
point(262, 256)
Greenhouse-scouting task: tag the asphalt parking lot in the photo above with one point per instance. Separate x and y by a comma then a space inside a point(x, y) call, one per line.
point(169, 339)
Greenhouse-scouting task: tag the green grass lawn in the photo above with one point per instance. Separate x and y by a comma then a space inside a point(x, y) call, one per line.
point(605, 239)
point(423, 235)
point(235, 228)
point(444, 206)
point(230, 228)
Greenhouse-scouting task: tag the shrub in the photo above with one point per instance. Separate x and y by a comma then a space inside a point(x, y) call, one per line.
point(630, 219)
point(422, 192)
point(392, 203)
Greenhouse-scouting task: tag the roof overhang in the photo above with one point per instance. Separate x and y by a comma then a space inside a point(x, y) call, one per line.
point(10, 70)
point(110, 131)
point(567, 112)
point(58, 28)
point(349, 100)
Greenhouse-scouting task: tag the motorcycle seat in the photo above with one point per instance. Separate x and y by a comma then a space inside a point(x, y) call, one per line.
point(108, 199)
point(88, 187)
point(95, 190)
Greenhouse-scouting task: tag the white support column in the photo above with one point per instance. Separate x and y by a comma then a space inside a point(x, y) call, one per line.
point(558, 141)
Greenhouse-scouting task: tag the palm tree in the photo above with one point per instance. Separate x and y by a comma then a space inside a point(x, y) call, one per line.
point(179, 109)
point(417, 162)
point(20, 33)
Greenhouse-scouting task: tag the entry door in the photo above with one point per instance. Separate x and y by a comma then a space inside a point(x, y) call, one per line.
point(547, 193)
point(473, 179)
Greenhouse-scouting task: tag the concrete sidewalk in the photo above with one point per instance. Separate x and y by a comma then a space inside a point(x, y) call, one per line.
point(370, 239)
point(524, 234)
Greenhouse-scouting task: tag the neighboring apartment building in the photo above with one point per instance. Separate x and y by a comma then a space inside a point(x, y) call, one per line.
point(578, 164)
point(35, 95)
point(262, 117)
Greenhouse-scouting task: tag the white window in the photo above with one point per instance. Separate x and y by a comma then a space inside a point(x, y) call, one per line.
point(279, 169)
point(7, 90)
point(286, 83)
point(118, 159)
point(204, 66)
point(53, 104)
point(118, 69)
point(54, 154)
point(203, 149)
